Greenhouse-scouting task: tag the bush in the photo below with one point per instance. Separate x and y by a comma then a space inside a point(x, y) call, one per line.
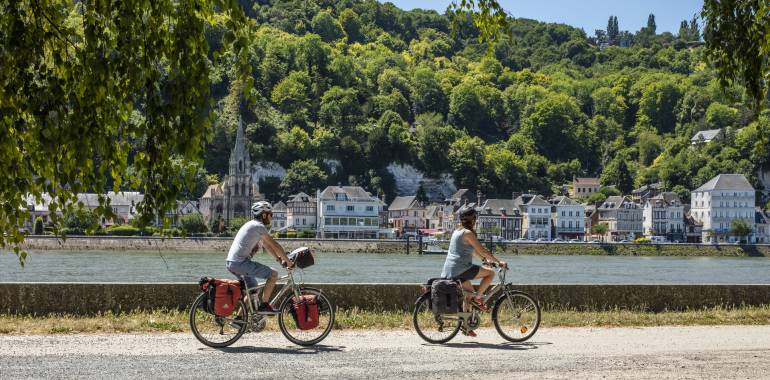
point(122, 230)
point(307, 234)
point(291, 234)
point(193, 223)
point(72, 231)
point(236, 223)
point(38, 230)
point(642, 240)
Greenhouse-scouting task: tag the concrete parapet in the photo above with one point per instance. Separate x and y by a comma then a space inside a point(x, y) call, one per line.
point(91, 298)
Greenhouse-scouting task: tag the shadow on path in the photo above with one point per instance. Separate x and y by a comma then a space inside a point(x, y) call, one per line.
point(277, 350)
point(502, 346)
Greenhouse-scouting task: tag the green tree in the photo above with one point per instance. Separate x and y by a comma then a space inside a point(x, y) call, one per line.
point(554, 126)
point(466, 156)
point(651, 26)
point(351, 24)
point(658, 105)
point(80, 221)
point(339, 108)
point(38, 229)
point(193, 223)
point(737, 37)
point(616, 173)
point(433, 141)
point(612, 30)
point(303, 175)
point(721, 116)
point(740, 228)
point(428, 96)
point(327, 27)
point(292, 96)
point(600, 229)
point(72, 72)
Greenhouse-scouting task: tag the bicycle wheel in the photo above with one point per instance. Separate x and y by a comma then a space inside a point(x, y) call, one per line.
point(516, 319)
point(216, 331)
point(309, 337)
point(430, 327)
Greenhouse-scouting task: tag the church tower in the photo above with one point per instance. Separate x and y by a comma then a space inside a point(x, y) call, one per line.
point(238, 189)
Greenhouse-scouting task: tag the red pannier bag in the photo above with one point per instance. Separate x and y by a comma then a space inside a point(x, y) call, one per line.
point(223, 295)
point(305, 311)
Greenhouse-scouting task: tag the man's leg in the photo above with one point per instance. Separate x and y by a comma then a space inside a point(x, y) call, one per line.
point(269, 286)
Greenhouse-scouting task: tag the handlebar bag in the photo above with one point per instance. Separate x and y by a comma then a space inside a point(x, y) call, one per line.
point(302, 257)
point(305, 311)
point(222, 295)
point(444, 297)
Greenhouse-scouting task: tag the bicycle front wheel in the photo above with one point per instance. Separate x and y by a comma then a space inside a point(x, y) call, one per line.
point(215, 331)
point(517, 317)
point(433, 328)
point(290, 328)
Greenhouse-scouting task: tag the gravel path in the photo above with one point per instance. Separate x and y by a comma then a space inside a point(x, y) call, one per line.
point(664, 352)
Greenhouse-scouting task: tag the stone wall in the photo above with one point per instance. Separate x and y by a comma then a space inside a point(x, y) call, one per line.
point(91, 298)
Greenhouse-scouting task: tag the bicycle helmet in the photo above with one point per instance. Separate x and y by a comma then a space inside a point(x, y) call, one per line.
point(260, 207)
point(467, 213)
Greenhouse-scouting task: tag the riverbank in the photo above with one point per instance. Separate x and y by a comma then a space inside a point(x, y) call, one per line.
point(171, 244)
point(164, 321)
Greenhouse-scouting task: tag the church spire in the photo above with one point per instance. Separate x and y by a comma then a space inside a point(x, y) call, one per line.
point(240, 141)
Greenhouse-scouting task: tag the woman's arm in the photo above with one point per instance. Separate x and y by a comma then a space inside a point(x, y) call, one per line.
point(479, 249)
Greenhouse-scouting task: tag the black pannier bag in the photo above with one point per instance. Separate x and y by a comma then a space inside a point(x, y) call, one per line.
point(444, 297)
point(206, 285)
point(302, 257)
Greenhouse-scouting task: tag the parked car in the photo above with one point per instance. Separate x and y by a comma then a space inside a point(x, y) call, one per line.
point(541, 240)
point(574, 241)
point(623, 241)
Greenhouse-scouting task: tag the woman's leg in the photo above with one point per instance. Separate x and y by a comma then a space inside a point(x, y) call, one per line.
point(486, 276)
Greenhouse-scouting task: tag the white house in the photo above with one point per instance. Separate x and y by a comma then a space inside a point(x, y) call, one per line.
point(348, 212)
point(279, 217)
point(123, 205)
point(536, 217)
point(568, 218)
point(762, 222)
point(721, 201)
point(706, 136)
point(663, 215)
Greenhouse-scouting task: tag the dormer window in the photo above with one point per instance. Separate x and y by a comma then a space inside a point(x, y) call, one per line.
point(340, 197)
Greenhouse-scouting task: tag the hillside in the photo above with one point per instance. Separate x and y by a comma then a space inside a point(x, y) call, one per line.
point(367, 85)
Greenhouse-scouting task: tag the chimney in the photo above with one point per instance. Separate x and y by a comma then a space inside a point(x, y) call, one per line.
point(479, 200)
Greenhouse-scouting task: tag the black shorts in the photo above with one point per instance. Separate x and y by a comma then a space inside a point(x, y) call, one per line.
point(469, 274)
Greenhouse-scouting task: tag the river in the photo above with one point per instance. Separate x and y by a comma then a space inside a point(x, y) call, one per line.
point(133, 266)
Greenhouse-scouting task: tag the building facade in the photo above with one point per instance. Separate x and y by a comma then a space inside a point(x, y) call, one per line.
point(568, 219)
point(719, 203)
point(348, 212)
point(499, 219)
point(279, 217)
point(301, 212)
point(536, 217)
point(407, 215)
point(623, 218)
point(234, 196)
point(583, 187)
point(663, 215)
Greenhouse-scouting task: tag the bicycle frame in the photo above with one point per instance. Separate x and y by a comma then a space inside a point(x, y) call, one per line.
point(465, 315)
point(289, 285)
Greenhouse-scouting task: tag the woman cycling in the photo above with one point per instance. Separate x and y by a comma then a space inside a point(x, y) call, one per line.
point(459, 265)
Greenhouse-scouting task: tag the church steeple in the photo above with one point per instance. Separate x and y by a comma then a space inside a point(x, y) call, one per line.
point(240, 162)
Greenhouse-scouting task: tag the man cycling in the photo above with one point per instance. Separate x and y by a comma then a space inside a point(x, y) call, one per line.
point(248, 239)
point(459, 260)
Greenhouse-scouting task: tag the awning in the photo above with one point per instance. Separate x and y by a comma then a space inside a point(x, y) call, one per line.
point(429, 231)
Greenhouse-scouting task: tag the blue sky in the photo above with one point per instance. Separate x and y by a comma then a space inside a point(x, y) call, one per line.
point(590, 14)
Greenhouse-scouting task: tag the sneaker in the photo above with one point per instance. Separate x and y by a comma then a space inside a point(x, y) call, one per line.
point(266, 309)
point(479, 302)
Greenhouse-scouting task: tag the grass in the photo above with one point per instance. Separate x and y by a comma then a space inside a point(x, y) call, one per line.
point(166, 321)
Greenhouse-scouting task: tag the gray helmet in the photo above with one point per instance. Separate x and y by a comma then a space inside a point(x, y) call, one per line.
point(258, 208)
point(467, 213)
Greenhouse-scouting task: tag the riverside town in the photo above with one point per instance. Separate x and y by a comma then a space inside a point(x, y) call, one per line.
point(400, 189)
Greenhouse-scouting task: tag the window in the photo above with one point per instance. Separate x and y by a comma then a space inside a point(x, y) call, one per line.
point(329, 207)
point(369, 208)
point(351, 208)
point(344, 221)
point(340, 197)
point(328, 221)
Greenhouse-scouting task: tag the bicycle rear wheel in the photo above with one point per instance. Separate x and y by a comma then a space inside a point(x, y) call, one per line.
point(516, 318)
point(309, 337)
point(215, 331)
point(430, 327)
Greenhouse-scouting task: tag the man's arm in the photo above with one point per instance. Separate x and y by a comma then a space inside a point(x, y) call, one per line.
point(274, 248)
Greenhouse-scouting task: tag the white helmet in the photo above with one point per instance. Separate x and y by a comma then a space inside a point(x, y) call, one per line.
point(260, 207)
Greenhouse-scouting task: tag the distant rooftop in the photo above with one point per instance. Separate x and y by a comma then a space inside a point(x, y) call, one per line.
point(735, 182)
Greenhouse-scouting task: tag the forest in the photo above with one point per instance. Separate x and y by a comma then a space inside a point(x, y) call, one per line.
point(341, 89)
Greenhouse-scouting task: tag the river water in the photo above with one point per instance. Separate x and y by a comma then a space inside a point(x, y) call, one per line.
point(133, 266)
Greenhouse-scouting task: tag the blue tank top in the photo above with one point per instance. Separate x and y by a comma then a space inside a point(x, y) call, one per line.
point(460, 255)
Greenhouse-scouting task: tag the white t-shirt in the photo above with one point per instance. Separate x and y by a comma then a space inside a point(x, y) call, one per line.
point(245, 240)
